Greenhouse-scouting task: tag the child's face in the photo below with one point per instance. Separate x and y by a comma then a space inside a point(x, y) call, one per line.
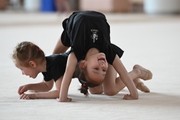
point(96, 68)
point(28, 71)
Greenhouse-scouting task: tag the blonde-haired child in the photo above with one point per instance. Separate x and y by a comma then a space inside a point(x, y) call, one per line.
point(31, 60)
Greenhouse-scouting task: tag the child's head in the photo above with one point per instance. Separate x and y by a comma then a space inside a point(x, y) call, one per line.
point(27, 56)
point(92, 71)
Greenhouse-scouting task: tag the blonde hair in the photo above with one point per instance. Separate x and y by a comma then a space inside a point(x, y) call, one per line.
point(26, 51)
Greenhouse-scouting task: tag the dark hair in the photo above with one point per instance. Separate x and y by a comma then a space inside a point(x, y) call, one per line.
point(80, 74)
point(26, 51)
point(81, 77)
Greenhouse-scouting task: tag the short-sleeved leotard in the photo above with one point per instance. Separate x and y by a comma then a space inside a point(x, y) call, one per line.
point(55, 66)
point(89, 29)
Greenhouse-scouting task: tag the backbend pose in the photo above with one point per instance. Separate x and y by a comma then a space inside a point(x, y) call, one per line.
point(87, 33)
point(31, 60)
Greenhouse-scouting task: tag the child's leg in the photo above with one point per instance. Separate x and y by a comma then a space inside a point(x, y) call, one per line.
point(140, 85)
point(59, 48)
point(113, 84)
point(96, 89)
point(145, 74)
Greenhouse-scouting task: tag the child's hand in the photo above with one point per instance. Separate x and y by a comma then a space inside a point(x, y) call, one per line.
point(66, 100)
point(129, 97)
point(27, 96)
point(22, 89)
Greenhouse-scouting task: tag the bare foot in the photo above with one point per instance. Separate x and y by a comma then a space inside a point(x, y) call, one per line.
point(145, 73)
point(32, 91)
point(140, 85)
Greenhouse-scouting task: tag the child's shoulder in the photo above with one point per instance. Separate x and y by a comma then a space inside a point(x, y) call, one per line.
point(57, 58)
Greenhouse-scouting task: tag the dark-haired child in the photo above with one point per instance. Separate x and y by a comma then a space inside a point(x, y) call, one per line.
point(87, 33)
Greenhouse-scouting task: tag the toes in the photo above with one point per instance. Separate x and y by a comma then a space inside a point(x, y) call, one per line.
point(147, 74)
point(142, 87)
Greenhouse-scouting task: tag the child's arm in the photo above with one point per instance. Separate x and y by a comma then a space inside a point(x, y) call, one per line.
point(119, 67)
point(41, 95)
point(70, 68)
point(44, 95)
point(42, 86)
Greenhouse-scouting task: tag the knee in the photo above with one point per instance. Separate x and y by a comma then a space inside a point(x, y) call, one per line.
point(110, 92)
point(96, 91)
point(100, 92)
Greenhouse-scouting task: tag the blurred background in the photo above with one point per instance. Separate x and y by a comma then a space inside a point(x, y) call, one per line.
point(109, 6)
point(41, 12)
